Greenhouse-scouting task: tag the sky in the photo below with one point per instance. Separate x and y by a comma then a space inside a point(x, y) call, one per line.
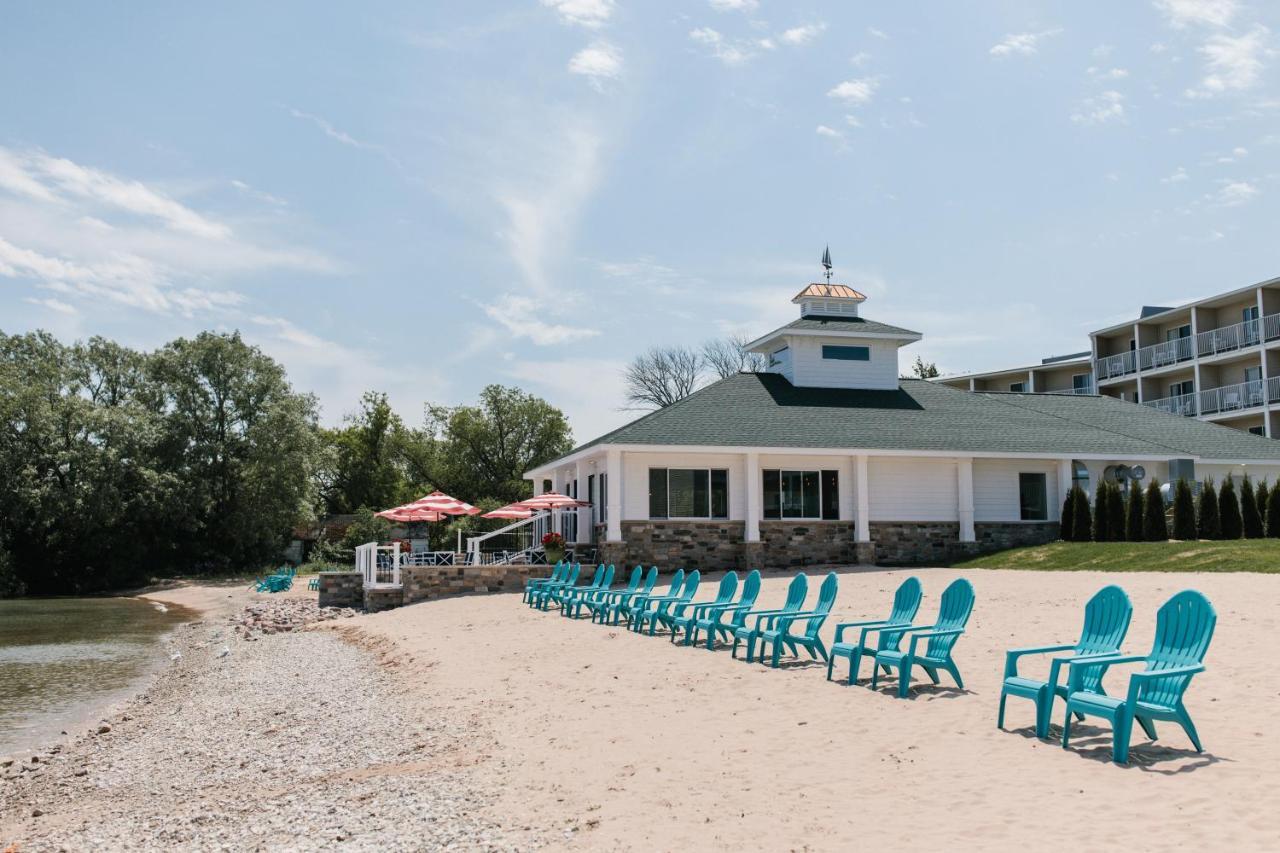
point(425, 198)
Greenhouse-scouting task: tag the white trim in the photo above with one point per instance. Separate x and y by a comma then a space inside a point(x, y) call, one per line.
point(964, 498)
point(784, 332)
point(751, 470)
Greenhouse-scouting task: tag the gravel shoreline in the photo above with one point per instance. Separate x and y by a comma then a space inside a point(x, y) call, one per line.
point(274, 739)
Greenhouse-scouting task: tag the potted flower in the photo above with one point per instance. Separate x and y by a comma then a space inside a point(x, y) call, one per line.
point(553, 547)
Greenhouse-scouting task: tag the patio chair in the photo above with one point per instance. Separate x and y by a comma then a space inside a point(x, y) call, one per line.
point(1106, 621)
point(602, 581)
point(780, 634)
point(547, 589)
point(600, 599)
point(684, 618)
point(906, 601)
point(953, 615)
point(706, 617)
point(796, 593)
point(628, 609)
point(533, 584)
point(608, 604)
point(1184, 627)
point(663, 604)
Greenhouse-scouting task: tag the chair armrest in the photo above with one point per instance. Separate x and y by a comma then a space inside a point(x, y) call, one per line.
point(862, 624)
point(1011, 656)
point(1077, 665)
point(917, 635)
point(881, 627)
point(1137, 679)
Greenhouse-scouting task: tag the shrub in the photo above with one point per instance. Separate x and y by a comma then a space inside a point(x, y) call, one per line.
point(1184, 512)
point(1273, 512)
point(1101, 513)
point(1133, 517)
point(1250, 518)
point(1155, 528)
point(1081, 520)
point(1260, 496)
point(1229, 520)
point(11, 586)
point(1066, 528)
point(1207, 523)
point(1115, 513)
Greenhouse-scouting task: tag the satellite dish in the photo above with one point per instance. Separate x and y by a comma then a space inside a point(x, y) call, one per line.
point(1137, 472)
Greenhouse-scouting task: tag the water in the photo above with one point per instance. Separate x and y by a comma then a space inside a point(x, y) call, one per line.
point(63, 660)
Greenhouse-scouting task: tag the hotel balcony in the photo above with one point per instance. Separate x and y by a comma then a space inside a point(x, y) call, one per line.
point(1227, 399)
point(1207, 344)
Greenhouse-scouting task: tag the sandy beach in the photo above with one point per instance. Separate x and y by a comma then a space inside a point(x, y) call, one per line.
point(478, 723)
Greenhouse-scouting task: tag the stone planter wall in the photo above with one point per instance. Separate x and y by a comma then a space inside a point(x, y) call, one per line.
point(379, 598)
point(341, 589)
point(997, 535)
point(424, 582)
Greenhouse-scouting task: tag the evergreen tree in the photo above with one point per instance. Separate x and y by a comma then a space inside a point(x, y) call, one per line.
point(1261, 495)
point(1154, 526)
point(1273, 512)
point(1133, 515)
point(1101, 513)
point(1229, 520)
point(1081, 520)
point(1208, 524)
point(1066, 527)
point(1115, 513)
point(1184, 512)
point(1250, 519)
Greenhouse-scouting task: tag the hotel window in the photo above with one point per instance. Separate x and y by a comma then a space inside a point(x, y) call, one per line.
point(1082, 382)
point(688, 493)
point(1179, 389)
point(801, 494)
point(1017, 387)
point(846, 353)
point(1033, 497)
point(1258, 430)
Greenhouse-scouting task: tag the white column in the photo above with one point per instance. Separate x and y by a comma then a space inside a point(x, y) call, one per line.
point(580, 489)
point(751, 470)
point(1195, 358)
point(1262, 354)
point(537, 483)
point(862, 498)
point(1064, 482)
point(1031, 381)
point(613, 500)
point(964, 494)
point(1137, 363)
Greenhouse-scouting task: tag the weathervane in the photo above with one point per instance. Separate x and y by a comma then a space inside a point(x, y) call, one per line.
point(826, 263)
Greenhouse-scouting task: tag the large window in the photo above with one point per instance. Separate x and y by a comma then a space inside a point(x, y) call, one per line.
point(846, 353)
point(801, 494)
point(1033, 496)
point(688, 493)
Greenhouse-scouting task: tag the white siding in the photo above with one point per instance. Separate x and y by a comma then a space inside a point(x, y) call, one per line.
point(903, 489)
point(813, 371)
point(780, 361)
point(995, 488)
point(635, 479)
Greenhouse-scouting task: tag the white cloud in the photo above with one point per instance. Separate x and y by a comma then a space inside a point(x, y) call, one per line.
point(859, 91)
point(1106, 107)
point(880, 34)
point(734, 5)
point(1232, 63)
point(1179, 175)
point(520, 315)
point(823, 130)
point(1022, 44)
point(1183, 13)
point(54, 305)
point(1235, 193)
point(328, 129)
point(591, 14)
point(599, 62)
point(797, 36)
point(1107, 73)
point(730, 52)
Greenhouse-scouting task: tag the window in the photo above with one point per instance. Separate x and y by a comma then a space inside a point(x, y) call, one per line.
point(1177, 332)
point(1033, 497)
point(1250, 313)
point(801, 494)
point(1080, 475)
point(604, 497)
point(846, 353)
point(688, 493)
point(775, 358)
point(1017, 387)
point(1258, 430)
point(1082, 383)
point(1253, 374)
point(1178, 389)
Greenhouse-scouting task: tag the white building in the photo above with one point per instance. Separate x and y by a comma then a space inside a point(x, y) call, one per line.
point(828, 457)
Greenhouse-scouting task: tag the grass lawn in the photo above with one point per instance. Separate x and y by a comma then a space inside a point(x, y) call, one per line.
point(1242, 555)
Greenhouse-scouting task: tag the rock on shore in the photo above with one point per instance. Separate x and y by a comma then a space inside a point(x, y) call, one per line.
point(296, 741)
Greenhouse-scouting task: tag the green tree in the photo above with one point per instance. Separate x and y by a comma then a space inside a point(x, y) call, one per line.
point(1261, 496)
point(373, 459)
point(1133, 521)
point(1115, 513)
point(1102, 512)
point(1155, 527)
point(1250, 518)
point(1066, 527)
point(1184, 512)
point(1230, 523)
point(1207, 521)
point(1273, 512)
point(1081, 520)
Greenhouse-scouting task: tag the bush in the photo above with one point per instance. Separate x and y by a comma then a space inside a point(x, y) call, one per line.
point(1260, 497)
point(1184, 512)
point(1067, 526)
point(1207, 523)
point(1133, 519)
point(1250, 518)
point(1229, 520)
point(1101, 513)
point(1155, 528)
point(1081, 521)
point(1115, 513)
point(11, 586)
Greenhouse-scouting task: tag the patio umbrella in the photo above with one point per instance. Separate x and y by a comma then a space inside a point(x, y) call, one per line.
point(551, 500)
point(512, 511)
point(444, 504)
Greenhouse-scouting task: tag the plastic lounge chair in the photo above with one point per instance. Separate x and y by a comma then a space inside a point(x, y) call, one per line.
point(557, 595)
point(906, 601)
point(533, 584)
point(683, 618)
point(1106, 621)
point(627, 609)
point(609, 605)
point(779, 635)
point(1184, 627)
point(796, 594)
point(707, 616)
point(598, 599)
point(314, 584)
point(600, 583)
point(663, 604)
point(953, 615)
point(545, 591)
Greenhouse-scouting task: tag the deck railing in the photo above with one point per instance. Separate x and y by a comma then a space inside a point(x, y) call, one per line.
point(1111, 366)
point(379, 564)
point(1180, 404)
point(1166, 353)
point(1230, 398)
point(1229, 338)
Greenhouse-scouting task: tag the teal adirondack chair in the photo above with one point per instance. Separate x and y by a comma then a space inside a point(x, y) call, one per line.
point(796, 594)
point(1184, 627)
point(598, 598)
point(612, 607)
point(547, 589)
point(662, 604)
point(953, 615)
point(628, 610)
point(779, 635)
point(683, 618)
point(1106, 621)
point(906, 601)
point(533, 585)
point(707, 616)
point(601, 579)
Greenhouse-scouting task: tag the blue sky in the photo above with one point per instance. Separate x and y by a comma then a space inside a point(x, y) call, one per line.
point(425, 198)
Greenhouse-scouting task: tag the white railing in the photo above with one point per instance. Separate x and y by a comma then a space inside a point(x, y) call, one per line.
point(379, 564)
point(1111, 366)
point(1180, 404)
point(1273, 389)
point(1228, 338)
point(1271, 326)
point(511, 543)
point(1166, 353)
point(1229, 398)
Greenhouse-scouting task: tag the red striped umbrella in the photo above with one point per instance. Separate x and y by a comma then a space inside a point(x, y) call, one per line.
point(405, 514)
point(513, 511)
point(551, 500)
point(443, 504)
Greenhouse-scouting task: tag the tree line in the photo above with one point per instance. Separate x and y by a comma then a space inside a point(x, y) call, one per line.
point(199, 457)
point(1216, 514)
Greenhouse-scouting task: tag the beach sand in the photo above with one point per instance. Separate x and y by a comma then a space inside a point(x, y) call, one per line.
point(628, 742)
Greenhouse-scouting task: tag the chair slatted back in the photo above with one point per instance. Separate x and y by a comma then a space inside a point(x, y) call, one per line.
point(691, 582)
point(1106, 621)
point(750, 592)
point(797, 592)
point(607, 581)
point(953, 614)
point(906, 602)
point(650, 580)
point(597, 578)
point(637, 575)
point(826, 600)
point(575, 569)
point(677, 581)
point(1184, 627)
point(728, 586)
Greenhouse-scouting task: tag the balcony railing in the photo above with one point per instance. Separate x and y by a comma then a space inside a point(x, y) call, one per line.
point(1167, 353)
point(1111, 366)
point(1230, 398)
point(1178, 350)
point(1180, 404)
point(1229, 338)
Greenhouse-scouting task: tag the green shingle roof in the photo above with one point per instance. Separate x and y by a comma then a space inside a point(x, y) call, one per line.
point(765, 410)
point(844, 324)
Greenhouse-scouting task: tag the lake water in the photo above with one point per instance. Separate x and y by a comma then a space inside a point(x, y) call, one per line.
point(62, 660)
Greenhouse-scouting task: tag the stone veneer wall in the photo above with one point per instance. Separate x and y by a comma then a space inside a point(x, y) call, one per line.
point(998, 535)
point(671, 545)
point(423, 582)
point(341, 589)
point(807, 543)
point(382, 598)
point(916, 543)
